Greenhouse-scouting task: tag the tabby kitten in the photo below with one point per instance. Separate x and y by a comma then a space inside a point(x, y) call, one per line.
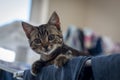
point(47, 40)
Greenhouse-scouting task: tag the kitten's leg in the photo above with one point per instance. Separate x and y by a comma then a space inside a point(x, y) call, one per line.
point(61, 60)
point(36, 67)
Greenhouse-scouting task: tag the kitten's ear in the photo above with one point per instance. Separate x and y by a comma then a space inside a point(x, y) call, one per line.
point(54, 19)
point(27, 28)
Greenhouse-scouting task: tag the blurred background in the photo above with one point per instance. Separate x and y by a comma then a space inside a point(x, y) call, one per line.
point(87, 25)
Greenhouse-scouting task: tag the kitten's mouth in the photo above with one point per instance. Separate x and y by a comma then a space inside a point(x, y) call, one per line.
point(49, 51)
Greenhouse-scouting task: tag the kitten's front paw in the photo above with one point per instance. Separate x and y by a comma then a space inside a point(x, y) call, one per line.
point(36, 67)
point(61, 60)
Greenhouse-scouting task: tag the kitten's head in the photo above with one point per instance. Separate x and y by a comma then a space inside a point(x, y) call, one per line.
point(44, 39)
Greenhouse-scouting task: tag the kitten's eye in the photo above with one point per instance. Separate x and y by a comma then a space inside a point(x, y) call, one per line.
point(51, 37)
point(37, 41)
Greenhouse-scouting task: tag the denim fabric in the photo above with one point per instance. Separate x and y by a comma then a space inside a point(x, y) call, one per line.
point(106, 67)
point(70, 71)
point(6, 75)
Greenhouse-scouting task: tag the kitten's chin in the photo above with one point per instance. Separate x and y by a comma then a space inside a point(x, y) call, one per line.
point(50, 51)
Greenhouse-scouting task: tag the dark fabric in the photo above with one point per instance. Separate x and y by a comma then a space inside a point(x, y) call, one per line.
point(70, 71)
point(86, 73)
point(81, 38)
point(6, 75)
point(97, 49)
point(106, 67)
point(29, 76)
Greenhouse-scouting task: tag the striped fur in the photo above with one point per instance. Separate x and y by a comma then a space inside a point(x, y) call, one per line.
point(47, 40)
point(44, 39)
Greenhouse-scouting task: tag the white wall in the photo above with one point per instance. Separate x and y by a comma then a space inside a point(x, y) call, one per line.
point(39, 11)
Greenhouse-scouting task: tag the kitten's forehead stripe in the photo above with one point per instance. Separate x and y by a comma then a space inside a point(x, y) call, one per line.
point(42, 29)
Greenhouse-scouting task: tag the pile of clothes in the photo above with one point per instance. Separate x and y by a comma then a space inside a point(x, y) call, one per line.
point(87, 40)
